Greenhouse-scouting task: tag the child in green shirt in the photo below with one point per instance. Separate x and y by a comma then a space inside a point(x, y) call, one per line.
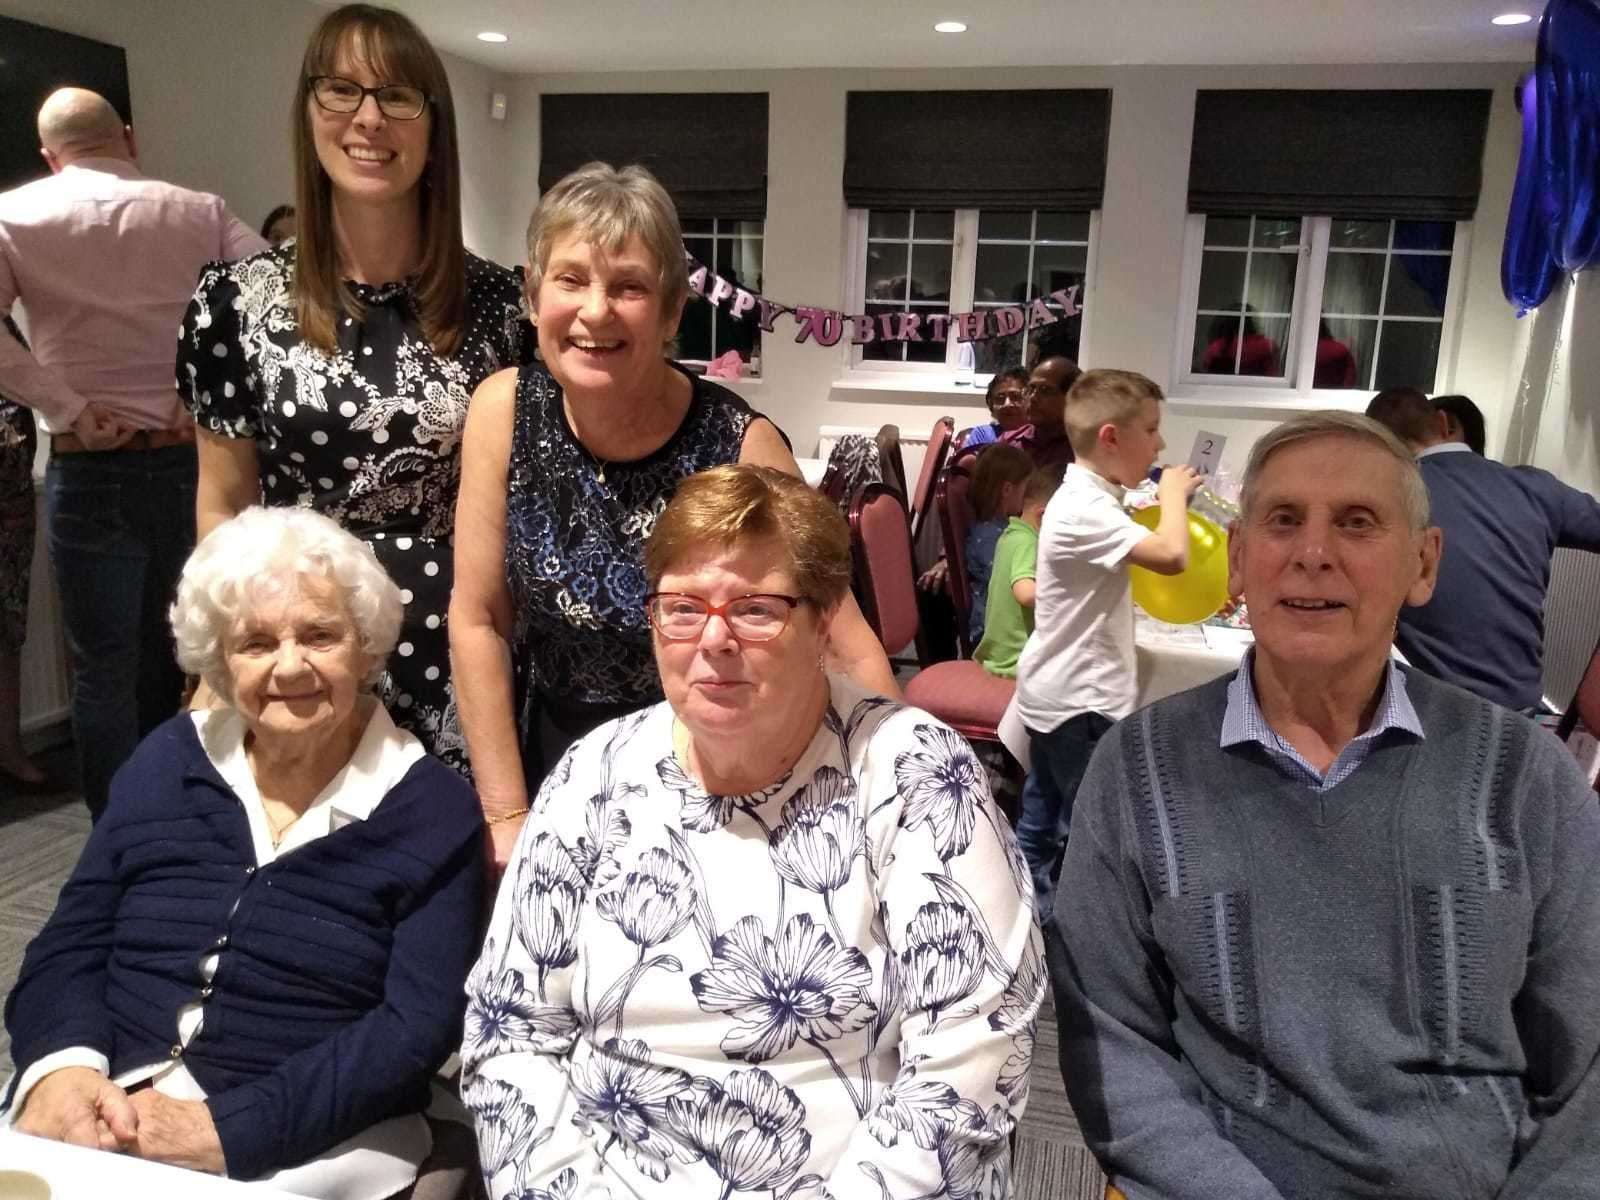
point(1009, 612)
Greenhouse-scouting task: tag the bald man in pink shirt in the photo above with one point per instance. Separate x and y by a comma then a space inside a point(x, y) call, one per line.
point(102, 261)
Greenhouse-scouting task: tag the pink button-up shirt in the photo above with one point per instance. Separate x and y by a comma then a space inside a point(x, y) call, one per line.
point(104, 262)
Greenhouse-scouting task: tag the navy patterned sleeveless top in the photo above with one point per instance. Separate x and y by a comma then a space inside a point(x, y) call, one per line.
point(575, 534)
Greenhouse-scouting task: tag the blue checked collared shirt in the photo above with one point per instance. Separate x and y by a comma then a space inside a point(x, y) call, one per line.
point(1243, 722)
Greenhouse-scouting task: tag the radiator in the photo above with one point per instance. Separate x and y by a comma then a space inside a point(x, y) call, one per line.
point(1571, 623)
point(912, 447)
point(44, 656)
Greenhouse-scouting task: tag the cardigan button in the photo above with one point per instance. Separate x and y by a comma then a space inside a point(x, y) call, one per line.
point(176, 1051)
point(249, 871)
point(205, 992)
point(221, 942)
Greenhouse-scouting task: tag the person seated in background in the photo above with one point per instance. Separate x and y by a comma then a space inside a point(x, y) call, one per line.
point(1463, 421)
point(1045, 436)
point(1238, 347)
point(997, 486)
point(1328, 927)
point(1076, 673)
point(1008, 609)
point(785, 946)
point(279, 226)
point(1007, 399)
point(1335, 366)
point(1484, 628)
point(256, 966)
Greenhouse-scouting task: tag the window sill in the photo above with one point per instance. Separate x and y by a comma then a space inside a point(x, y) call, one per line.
point(1261, 405)
point(938, 383)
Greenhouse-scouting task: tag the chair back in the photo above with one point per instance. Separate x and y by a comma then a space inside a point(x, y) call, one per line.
point(927, 479)
point(891, 462)
point(880, 552)
point(957, 518)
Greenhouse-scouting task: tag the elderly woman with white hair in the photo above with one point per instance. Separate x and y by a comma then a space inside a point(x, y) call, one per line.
point(256, 966)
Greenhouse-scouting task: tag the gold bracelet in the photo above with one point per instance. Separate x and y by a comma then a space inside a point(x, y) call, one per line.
point(510, 816)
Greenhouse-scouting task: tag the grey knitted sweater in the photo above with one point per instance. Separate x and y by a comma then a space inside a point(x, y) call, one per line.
point(1391, 988)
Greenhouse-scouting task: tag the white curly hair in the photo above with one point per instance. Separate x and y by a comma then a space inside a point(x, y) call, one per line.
point(259, 553)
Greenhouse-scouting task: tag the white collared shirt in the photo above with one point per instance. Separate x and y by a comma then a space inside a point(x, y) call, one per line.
point(382, 1159)
point(1444, 448)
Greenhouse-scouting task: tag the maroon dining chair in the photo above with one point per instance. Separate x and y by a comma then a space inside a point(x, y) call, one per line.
point(933, 461)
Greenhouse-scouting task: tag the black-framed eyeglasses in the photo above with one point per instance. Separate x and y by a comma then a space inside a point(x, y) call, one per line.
point(759, 617)
point(1009, 398)
point(397, 101)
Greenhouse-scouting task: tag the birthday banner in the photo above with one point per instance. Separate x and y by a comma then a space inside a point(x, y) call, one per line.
point(827, 327)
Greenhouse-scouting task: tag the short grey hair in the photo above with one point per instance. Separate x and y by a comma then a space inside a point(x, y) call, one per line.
point(1347, 425)
point(259, 551)
point(607, 206)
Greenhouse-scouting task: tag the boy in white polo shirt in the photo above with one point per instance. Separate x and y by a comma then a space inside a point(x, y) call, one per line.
point(1076, 674)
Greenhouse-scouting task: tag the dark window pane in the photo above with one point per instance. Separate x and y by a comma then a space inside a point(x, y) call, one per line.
point(876, 351)
point(1063, 227)
point(1408, 355)
point(1059, 267)
point(1272, 283)
point(1227, 231)
point(1219, 349)
point(1215, 345)
point(938, 224)
point(1061, 338)
point(698, 225)
point(886, 271)
point(1221, 279)
point(1344, 353)
point(1417, 284)
point(1277, 232)
point(1354, 284)
point(739, 262)
point(1001, 274)
point(701, 248)
point(743, 336)
point(893, 223)
point(930, 272)
point(1013, 226)
point(1359, 235)
point(931, 352)
point(694, 331)
point(1424, 235)
point(998, 353)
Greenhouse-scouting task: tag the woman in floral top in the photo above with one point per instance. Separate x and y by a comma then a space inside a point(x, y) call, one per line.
point(334, 372)
point(771, 935)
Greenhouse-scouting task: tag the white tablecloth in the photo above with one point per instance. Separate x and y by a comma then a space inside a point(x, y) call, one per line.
point(74, 1173)
point(1170, 659)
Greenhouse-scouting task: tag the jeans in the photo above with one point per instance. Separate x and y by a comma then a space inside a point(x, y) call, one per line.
point(1060, 758)
point(121, 525)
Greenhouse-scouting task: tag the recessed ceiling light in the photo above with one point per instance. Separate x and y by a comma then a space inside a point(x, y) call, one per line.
point(490, 36)
point(949, 27)
point(1513, 19)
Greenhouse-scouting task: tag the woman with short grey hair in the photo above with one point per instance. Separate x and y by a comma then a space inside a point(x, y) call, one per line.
point(256, 966)
point(566, 465)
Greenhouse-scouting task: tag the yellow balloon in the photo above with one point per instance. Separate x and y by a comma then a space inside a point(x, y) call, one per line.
point(1202, 587)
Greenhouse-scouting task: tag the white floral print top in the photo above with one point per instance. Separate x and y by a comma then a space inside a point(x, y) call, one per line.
point(828, 988)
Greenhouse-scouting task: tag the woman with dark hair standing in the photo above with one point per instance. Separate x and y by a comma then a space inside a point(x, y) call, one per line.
point(278, 228)
point(334, 373)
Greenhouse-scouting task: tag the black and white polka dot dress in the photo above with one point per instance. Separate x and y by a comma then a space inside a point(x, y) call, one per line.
point(370, 436)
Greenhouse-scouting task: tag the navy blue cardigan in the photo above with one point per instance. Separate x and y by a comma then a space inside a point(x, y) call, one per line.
point(339, 989)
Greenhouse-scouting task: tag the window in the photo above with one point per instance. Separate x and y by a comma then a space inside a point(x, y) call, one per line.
point(1318, 303)
point(932, 262)
point(732, 250)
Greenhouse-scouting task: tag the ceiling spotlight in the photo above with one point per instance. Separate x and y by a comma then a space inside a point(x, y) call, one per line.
point(949, 27)
point(1513, 18)
point(489, 35)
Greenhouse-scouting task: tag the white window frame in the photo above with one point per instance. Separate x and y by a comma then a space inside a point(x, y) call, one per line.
point(856, 368)
point(1301, 356)
point(751, 369)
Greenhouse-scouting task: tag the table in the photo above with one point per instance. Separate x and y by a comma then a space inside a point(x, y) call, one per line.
point(75, 1173)
point(1168, 659)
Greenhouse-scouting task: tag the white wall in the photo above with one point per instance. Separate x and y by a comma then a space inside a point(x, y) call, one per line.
point(1135, 297)
point(212, 82)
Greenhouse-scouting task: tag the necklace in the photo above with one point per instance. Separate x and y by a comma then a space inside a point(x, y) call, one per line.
point(277, 830)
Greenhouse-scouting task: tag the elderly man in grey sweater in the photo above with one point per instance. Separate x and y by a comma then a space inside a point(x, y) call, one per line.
point(1329, 927)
